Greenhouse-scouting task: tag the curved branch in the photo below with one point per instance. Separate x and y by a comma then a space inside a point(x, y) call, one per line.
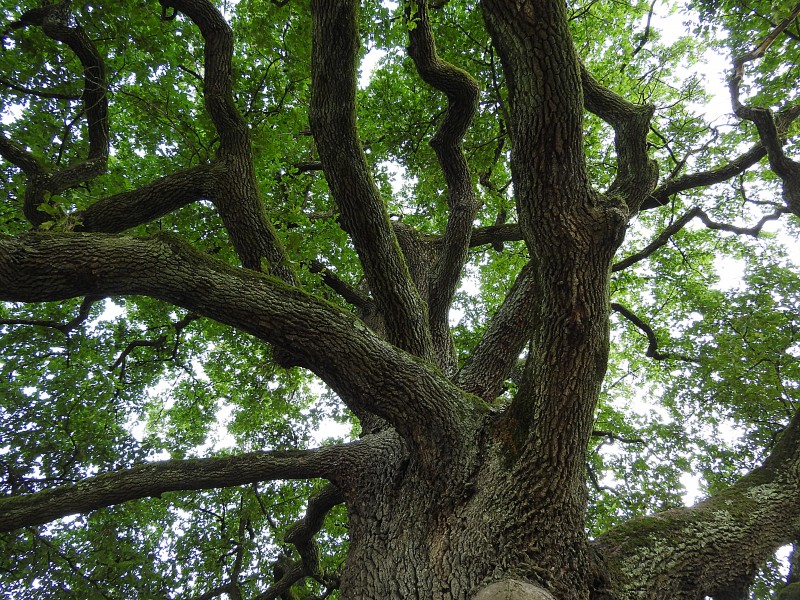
point(158, 478)
point(637, 173)
point(462, 103)
point(732, 168)
point(366, 372)
point(237, 196)
point(301, 534)
point(652, 341)
point(770, 129)
point(163, 196)
point(680, 223)
point(702, 550)
point(65, 328)
point(363, 214)
point(58, 23)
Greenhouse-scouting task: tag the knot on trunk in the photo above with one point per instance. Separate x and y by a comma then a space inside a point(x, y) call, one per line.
point(512, 589)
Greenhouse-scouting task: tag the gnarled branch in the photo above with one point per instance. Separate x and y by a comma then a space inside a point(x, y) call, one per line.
point(462, 102)
point(363, 214)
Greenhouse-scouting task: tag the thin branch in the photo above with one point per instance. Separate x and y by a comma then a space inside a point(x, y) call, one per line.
point(652, 341)
point(680, 223)
point(39, 93)
point(732, 168)
point(610, 435)
point(65, 328)
point(156, 343)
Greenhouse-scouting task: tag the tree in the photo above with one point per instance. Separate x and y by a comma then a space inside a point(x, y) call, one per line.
point(204, 228)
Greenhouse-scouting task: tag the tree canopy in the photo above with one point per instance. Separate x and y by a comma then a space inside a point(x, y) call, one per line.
point(280, 278)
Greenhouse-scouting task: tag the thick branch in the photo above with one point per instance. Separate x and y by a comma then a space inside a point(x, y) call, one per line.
point(637, 174)
point(158, 478)
point(462, 102)
point(123, 211)
point(493, 360)
point(699, 551)
point(365, 371)
point(237, 196)
point(509, 232)
point(363, 213)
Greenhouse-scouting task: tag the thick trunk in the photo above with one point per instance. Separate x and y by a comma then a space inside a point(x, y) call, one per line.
point(488, 518)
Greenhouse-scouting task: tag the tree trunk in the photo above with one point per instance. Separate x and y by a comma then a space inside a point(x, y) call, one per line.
point(489, 517)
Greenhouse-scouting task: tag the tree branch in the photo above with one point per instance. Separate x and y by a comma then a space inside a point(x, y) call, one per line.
point(493, 360)
point(637, 173)
point(363, 214)
point(158, 478)
point(366, 372)
point(509, 232)
point(770, 129)
point(652, 341)
point(696, 552)
point(237, 196)
point(58, 23)
point(462, 92)
point(65, 328)
point(301, 534)
point(734, 167)
point(342, 288)
point(680, 223)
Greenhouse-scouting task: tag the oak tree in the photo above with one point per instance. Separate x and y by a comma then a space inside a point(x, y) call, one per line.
point(505, 258)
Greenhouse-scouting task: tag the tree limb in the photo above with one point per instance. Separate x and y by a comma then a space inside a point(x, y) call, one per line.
point(366, 372)
point(672, 186)
point(493, 360)
point(508, 232)
point(65, 328)
point(58, 23)
point(363, 214)
point(462, 92)
point(652, 341)
point(680, 223)
point(637, 173)
point(158, 478)
point(770, 129)
point(152, 201)
point(237, 196)
point(696, 552)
